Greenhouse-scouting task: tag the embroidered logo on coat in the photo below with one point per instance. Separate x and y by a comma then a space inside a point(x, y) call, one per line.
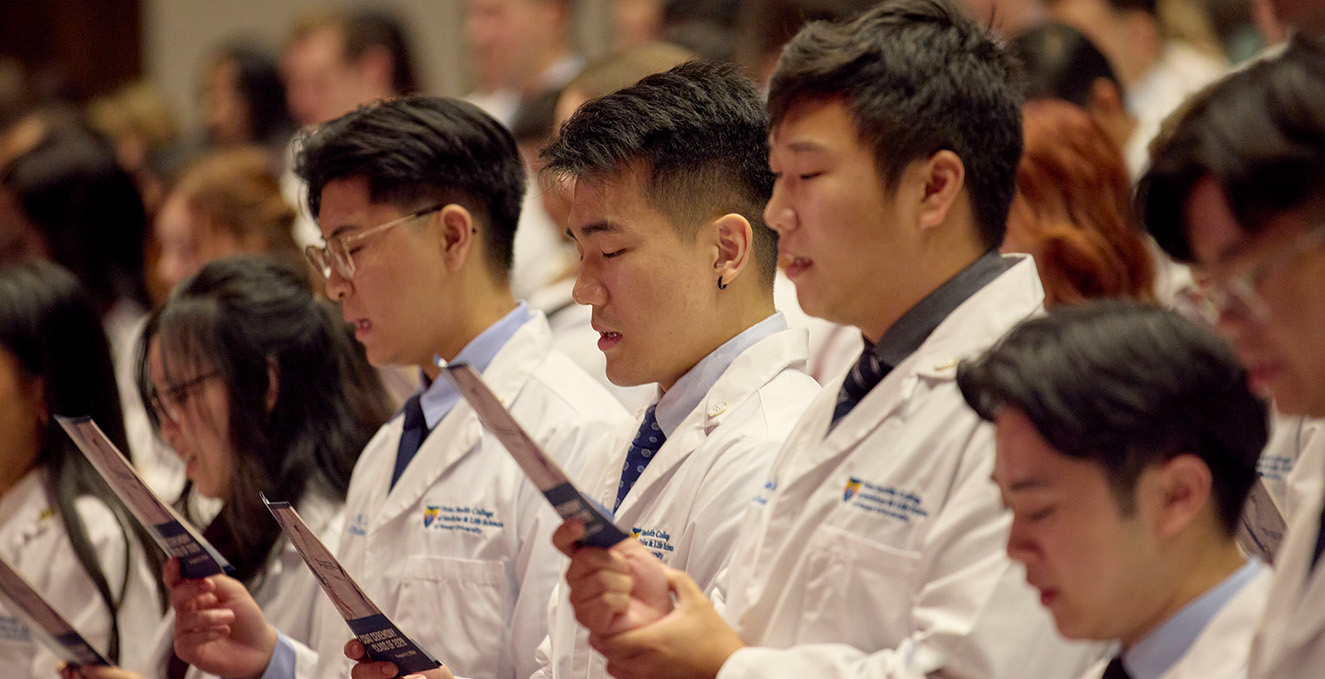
point(853, 487)
point(430, 515)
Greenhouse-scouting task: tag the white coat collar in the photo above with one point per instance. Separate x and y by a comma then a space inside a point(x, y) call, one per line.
point(459, 433)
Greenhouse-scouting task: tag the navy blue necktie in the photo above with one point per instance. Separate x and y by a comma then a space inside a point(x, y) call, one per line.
point(1115, 669)
point(864, 375)
point(411, 437)
point(647, 441)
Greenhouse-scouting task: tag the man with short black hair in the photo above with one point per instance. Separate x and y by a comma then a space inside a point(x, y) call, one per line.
point(1237, 187)
point(1127, 443)
point(418, 199)
point(876, 544)
point(669, 184)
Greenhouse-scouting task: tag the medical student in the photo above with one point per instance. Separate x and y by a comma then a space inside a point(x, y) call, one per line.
point(260, 388)
point(1127, 442)
point(669, 184)
point(1237, 187)
point(418, 199)
point(61, 527)
point(876, 546)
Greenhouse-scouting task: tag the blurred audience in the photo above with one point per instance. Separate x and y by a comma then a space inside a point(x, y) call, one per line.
point(1072, 209)
point(225, 203)
point(336, 61)
point(244, 100)
point(145, 131)
point(519, 50)
point(1158, 64)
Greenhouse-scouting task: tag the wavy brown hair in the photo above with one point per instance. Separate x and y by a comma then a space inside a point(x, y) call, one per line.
point(1072, 210)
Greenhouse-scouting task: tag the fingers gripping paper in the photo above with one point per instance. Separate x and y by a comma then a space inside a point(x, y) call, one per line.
point(46, 624)
point(547, 476)
point(197, 557)
point(382, 639)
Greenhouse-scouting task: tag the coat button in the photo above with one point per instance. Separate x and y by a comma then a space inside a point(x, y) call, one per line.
point(946, 365)
point(717, 408)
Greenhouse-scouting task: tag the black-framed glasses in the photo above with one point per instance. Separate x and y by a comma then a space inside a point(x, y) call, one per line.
point(169, 402)
point(337, 250)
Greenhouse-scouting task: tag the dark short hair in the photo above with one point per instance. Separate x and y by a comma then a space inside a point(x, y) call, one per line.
point(1127, 385)
point(416, 150)
point(702, 134)
point(1060, 62)
point(1259, 134)
point(919, 77)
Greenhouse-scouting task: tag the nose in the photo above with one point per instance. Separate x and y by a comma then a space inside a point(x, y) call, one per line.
point(588, 288)
point(778, 214)
point(1020, 545)
point(338, 286)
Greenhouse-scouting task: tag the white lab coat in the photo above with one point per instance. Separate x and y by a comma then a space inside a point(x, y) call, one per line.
point(686, 506)
point(476, 600)
point(34, 542)
point(1290, 640)
point(886, 538)
point(287, 592)
point(1220, 651)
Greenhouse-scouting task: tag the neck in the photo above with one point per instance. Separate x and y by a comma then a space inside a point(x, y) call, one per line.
point(14, 470)
point(746, 309)
point(926, 275)
point(481, 311)
point(1198, 573)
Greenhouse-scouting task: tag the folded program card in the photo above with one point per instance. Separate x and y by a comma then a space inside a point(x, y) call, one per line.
point(197, 557)
point(382, 639)
point(546, 475)
point(45, 622)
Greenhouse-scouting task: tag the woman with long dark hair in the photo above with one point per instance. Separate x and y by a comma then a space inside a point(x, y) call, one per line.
point(260, 387)
point(60, 525)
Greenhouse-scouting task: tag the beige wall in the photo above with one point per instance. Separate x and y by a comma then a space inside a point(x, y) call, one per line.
point(178, 34)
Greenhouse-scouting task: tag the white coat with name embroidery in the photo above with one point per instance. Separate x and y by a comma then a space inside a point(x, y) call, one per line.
point(686, 507)
point(884, 538)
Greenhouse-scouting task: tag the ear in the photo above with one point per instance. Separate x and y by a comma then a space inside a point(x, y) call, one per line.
point(1183, 486)
point(458, 232)
point(1105, 99)
point(943, 176)
point(735, 242)
point(273, 383)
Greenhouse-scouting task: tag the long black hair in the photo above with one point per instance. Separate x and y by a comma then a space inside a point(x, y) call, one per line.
point(50, 325)
point(251, 320)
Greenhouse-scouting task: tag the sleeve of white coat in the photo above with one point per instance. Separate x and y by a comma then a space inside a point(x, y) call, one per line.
point(971, 606)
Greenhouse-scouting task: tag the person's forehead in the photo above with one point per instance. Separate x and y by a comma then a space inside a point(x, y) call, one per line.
point(617, 198)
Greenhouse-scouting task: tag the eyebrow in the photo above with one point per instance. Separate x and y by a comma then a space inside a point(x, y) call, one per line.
point(806, 146)
point(595, 228)
point(340, 230)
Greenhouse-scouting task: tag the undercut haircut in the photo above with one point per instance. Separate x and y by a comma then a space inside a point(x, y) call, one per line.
point(1258, 133)
point(418, 150)
point(699, 131)
point(919, 77)
point(1127, 385)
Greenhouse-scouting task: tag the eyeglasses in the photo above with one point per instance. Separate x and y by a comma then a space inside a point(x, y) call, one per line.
point(169, 402)
point(337, 250)
point(1236, 295)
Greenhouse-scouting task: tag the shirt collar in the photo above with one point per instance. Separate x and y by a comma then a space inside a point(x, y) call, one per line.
point(693, 386)
point(1156, 653)
point(918, 323)
point(440, 396)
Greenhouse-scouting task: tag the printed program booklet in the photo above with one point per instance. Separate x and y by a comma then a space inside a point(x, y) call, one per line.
point(45, 623)
point(547, 476)
point(197, 557)
point(382, 639)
